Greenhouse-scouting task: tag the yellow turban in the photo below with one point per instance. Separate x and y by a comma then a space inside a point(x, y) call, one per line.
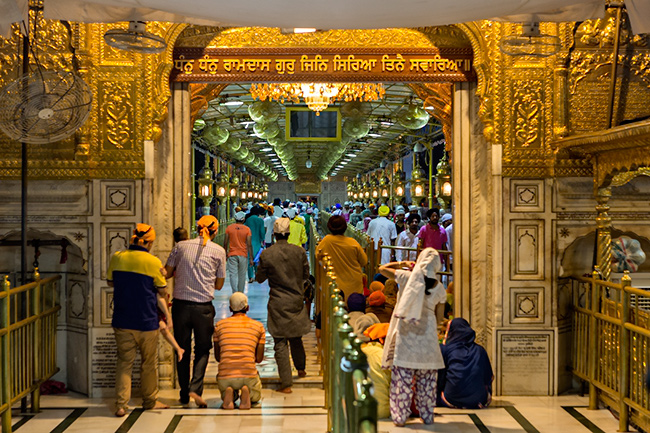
point(207, 225)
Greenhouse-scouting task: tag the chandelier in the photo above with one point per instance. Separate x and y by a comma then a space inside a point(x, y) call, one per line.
point(317, 96)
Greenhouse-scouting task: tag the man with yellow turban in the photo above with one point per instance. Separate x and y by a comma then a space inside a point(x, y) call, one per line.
point(384, 229)
point(138, 282)
point(199, 268)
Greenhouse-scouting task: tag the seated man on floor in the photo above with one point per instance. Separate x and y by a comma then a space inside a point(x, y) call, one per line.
point(238, 345)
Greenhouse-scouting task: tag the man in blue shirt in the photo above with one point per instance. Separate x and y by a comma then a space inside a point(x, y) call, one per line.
point(137, 277)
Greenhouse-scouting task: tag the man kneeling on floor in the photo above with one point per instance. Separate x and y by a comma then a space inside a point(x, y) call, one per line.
point(238, 345)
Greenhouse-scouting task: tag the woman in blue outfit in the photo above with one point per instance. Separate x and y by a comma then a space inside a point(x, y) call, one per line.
point(466, 382)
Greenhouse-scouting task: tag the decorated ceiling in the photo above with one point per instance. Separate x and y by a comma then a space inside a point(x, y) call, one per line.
point(253, 133)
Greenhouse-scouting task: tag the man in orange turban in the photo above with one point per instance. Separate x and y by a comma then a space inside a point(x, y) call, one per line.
point(138, 282)
point(199, 268)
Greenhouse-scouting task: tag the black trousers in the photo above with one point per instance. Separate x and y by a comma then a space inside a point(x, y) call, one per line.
point(198, 318)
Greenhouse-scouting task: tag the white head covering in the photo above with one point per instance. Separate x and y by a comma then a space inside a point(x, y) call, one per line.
point(240, 216)
point(291, 213)
point(445, 217)
point(413, 208)
point(410, 304)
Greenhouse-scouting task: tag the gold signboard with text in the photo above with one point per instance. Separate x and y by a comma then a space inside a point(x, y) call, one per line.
point(324, 64)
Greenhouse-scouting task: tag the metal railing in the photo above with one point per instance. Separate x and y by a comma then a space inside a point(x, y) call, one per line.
point(351, 408)
point(374, 254)
point(611, 338)
point(27, 342)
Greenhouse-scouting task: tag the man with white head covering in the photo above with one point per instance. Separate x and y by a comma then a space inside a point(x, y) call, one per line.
point(384, 229)
point(400, 217)
point(411, 349)
point(338, 209)
point(446, 222)
point(286, 267)
point(238, 249)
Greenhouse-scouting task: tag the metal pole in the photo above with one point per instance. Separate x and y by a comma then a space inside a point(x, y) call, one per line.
point(23, 204)
point(612, 84)
point(431, 177)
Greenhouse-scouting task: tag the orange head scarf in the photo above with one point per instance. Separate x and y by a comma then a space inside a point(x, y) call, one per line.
point(143, 233)
point(207, 225)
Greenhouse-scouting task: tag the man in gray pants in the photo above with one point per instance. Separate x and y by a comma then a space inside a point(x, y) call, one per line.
point(286, 267)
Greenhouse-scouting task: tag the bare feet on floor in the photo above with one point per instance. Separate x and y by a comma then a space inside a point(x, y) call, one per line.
point(286, 390)
point(160, 405)
point(180, 353)
point(198, 400)
point(228, 399)
point(245, 399)
point(120, 412)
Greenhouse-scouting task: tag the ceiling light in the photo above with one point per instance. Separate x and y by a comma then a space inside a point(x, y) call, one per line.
point(246, 123)
point(266, 149)
point(429, 107)
point(373, 135)
point(308, 162)
point(231, 102)
point(317, 96)
point(351, 155)
point(386, 123)
point(344, 162)
point(419, 147)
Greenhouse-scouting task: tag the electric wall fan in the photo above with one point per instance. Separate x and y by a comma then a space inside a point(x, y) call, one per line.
point(136, 39)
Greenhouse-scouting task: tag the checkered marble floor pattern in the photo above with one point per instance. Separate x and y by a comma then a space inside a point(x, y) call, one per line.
point(303, 412)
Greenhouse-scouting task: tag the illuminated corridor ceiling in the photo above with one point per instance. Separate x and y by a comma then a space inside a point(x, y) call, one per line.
point(386, 140)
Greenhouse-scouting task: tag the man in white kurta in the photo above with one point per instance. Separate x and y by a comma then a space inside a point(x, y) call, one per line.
point(384, 229)
point(408, 238)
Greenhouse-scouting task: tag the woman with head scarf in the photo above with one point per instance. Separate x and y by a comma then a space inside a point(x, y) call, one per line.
point(467, 381)
point(411, 350)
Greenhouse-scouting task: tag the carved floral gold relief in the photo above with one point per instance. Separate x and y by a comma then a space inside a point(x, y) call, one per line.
point(117, 112)
point(528, 110)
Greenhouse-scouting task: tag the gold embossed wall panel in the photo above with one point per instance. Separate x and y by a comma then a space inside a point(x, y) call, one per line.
point(117, 113)
point(590, 74)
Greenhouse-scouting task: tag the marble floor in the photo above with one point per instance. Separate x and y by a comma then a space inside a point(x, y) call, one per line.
point(301, 411)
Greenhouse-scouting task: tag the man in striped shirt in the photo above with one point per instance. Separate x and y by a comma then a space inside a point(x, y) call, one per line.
point(198, 267)
point(238, 345)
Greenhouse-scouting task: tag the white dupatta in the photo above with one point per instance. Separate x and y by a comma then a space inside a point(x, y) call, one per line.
point(403, 335)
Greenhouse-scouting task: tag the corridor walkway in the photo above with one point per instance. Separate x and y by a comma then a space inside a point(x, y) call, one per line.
point(301, 411)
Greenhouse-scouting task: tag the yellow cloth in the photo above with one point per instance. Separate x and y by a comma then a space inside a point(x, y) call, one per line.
point(380, 378)
point(348, 260)
point(297, 232)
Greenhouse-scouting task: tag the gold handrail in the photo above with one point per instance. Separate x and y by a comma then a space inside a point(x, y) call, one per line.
point(28, 342)
point(350, 404)
point(611, 333)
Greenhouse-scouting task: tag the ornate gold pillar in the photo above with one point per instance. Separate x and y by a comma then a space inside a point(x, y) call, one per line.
point(604, 233)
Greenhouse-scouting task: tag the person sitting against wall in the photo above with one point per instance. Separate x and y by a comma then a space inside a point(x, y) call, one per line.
point(356, 307)
point(377, 306)
point(466, 382)
point(374, 350)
